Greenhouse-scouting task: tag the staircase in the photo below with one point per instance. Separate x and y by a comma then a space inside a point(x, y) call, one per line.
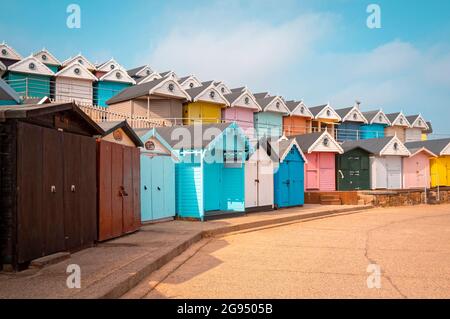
point(330, 200)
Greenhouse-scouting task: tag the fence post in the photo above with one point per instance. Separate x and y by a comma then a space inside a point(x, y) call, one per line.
point(26, 87)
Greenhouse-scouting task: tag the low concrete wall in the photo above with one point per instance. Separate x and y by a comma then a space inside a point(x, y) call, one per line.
point(404, 197)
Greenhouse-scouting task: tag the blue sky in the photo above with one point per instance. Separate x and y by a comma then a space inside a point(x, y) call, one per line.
point(316, 50)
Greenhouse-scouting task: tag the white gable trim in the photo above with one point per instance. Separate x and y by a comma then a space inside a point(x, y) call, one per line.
point(398, 119)
point(332, 147)
point(88, 65)
point(106, 67)
point(323, 114)
point(192, 78)
point(376, 119)
point(250, 105)
point(165, 83)
point(124, 77)
point(170, 74)
point(152, 77)
point(288, 149)
point(23, 66)
point(416, 124)
point(306, 111)
point(424, 150)
point(223, 87)
point(350, 116)
point(2, 66)
point(143, 71)
point(219, 98)
point(446, 150)
point(389, 149)
point(51, 59)
point(69, 72)
point(272, 106)
point(10, 52)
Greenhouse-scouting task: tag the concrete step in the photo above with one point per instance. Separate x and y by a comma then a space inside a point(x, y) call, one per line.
point(331, 202)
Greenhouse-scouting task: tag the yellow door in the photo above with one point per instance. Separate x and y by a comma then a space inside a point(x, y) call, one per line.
point(439, 171)
point(211, 113)
point(191, 113)
point(447, 175)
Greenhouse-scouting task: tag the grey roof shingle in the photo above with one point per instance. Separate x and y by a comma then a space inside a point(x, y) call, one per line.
point(292, 105)
point(317, 109)
point(370, 115)
point(343, 112)
point(430, 128)
point(372, 146)
point(412, 118)
point(306, 140)
point(435, 146)
point(392, 116)
point(135, 91)
point(194, 92)
point(133, 72)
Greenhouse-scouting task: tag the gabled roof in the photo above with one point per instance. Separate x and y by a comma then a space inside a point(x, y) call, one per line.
point(140, 71)
point(318, 142)
point(430, 128)
point(416, 150)
point(82, 60)
point(379, 146)
point(243, 99)
point(169, 73)
point(158, 87)
point(147, 134)
point(109, 65)
point(46, 57)
point(377, 117)
point(31, 65)
point(29, 111)
point(117, 75)
point(270, 103)
point(189, 82)
point(324, 111)
point(110, 127)
point(298, 108)
point(151, 77)
point(351, 114)
point(398, 119)
point(239, 89)
point(6, 52)
point(208, 92)
point(76, 71)
point(440, 147)
point(8, 93)
point(222, 87)
point(282, 147)
point(417, 121)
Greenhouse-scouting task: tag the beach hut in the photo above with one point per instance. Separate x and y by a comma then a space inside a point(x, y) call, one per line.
point(157, 177)
point(160, 100)
point(418, 125)
point(427, 132)
point(48, 181)
point(440, 165)
point(30, 77)
point(210, 177)
point(189, 82)
point(353, 169)
point(416, 168)
point(7, 94)
point(398, 126)
point(320, 150)
point(222, 87)
point(74, 83)
point(351, 121)
point(205, 104)
point(8, 55)
point(111, 84)
point(170, 74)
point(377, 121)
point(48, 59)
point(140, 72)
point(242, 106)
point(259, 178)
point(385, 160)
point(269, 122)
point(325, 118)
point(299, 119)
point(3, 69)
point(80, 59)
point(289, 177)
point(103, 68)
point(119, 180)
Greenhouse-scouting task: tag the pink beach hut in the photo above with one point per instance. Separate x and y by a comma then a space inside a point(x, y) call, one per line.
point(416, 168)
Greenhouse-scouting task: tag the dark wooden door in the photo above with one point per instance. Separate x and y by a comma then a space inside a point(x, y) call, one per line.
point(117, 189)
point(127, 194)
point(136, 160)
point(104, 191)
point(353, 171)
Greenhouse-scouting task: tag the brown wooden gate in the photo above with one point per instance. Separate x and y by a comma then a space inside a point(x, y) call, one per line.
point(119, 187)
point(56, 191)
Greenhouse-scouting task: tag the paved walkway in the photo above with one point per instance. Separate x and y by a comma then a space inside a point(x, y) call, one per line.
point(112, 268)
point(322, 258)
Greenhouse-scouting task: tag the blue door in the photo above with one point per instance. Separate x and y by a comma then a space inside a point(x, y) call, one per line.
point(296, 191)
point(213, 186)
point(157, 187)
point(146, 194)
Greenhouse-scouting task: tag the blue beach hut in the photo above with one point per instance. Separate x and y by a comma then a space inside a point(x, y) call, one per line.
point(210, 179)
point(269, 122)
point(377, 121)
point(110, 85)
point(289, 177)
point(350, 127)
point(7, 95)
point(157, 177)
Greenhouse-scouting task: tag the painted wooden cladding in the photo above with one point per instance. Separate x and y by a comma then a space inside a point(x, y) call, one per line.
point(416, 171)
point(386, 172)
point(157, 187)
point(189, 190)
point(353, 170)
point(372, 131)
point(320, 171)
point(296, 125)
point(440, 171)
point(203, 112)
point(56, 203)
point(119, 189)
point(413, 134)
point(349, 131)
point(242, 116)
point(104, 90)
point(30, 85)
point(259, 191)
point(395, 130)
point(269, 124)
point(289, 181)
point(68, 89)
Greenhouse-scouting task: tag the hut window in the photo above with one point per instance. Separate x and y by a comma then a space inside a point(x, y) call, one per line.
point(117, 134)
point(401, 121)
point(328, 113)
point(4, 52)
point(326, 141)
point(191, 85)
point(118, 75)
point(420, 122)
point(302, 110)
point(222, 90)
point(154, 79)
point(32, 66)
point(44, 57)
point(277, 105)
point(380, 118)
point(247, 100)
point(149, 145)
point(112, 66)
point(212, 94)
point(80, 61)
point(148, 72)
point(171, 87)
point(77, 71)
point(395, 146)
point(355, 116)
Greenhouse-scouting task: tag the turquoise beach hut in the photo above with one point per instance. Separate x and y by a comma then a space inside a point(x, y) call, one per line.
point(110, 85)
point(157, 177)
point(7, 95)
point(209, 179)
point(377, 121)
point(269, 122)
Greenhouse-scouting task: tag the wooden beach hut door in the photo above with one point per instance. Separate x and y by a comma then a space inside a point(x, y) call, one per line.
point(312, 171)
point(251, 180)
point(394, 172)
point(259, 183)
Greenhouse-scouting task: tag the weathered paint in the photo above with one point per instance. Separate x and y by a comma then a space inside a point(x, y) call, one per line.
point(30, 85)
point(416, 170)
point(296, 125)
point(353, 170)
point(374, 130)
point(440, 171)
point(203, 112)
point(289, 180)
point(268, 124)
point(320, 171)
point(104, 90)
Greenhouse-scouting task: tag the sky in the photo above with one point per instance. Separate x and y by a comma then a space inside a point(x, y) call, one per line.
point(318, 51)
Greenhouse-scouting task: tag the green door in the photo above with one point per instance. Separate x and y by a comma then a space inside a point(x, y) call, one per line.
point(353, 172)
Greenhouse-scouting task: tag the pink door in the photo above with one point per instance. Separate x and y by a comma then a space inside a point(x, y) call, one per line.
point(416, 171)
point(312, 172)
point(327, 171)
